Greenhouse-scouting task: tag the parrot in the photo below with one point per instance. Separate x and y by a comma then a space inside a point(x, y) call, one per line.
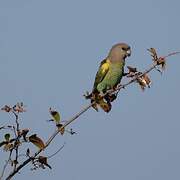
point(109, 75)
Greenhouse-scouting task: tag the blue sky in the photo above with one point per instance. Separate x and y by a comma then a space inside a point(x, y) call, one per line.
point(49, 54)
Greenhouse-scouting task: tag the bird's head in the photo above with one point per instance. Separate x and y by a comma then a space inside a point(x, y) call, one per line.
point(119, 52)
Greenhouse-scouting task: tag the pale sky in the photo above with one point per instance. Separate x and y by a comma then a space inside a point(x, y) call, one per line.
point(50, 52)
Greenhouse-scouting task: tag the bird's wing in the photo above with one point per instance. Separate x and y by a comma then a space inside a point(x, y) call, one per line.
point(102, 71)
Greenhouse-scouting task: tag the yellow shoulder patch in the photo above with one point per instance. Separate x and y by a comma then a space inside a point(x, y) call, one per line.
point(105, 66)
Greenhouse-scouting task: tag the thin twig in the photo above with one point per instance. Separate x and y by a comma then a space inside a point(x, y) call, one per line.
point(17, 140)
point(6, 127)
point(5, 166)
point(172, 54)
point(52, 155)
point(17, 123)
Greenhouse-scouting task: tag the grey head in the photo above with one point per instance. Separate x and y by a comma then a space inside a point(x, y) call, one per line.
point(119, 52)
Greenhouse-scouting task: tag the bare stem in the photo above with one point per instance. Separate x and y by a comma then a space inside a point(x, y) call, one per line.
point(17, 139)
point(52, 155)
point(5, 166)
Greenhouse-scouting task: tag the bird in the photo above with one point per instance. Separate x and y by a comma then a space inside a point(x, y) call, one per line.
point(109, 75)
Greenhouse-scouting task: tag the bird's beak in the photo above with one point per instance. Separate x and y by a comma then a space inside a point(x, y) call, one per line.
point(128, 52)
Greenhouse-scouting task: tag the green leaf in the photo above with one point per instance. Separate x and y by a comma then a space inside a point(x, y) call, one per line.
point(55, 115)
point(7, 136)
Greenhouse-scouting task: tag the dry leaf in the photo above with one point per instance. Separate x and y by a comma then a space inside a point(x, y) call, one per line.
point(23, 133)
point(153, 54)
point(106, 106)
point(110, 97)
point(144, 81)
point(37, 141)
point(132, 71)
point(61, 128)
point(101, 101)
point(161, 61)
point(158, 60)
point(43, 161)
point(95, 106)
point(19, 108)
point(6, 108)
point(8, 147)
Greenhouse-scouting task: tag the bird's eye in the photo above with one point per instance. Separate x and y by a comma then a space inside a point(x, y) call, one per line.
point(124, 49)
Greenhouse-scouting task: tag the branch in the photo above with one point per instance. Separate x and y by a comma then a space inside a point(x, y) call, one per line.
point(17, 139)
point(48, 141)
point(76, 116)
point(52, 155)
point(6, 164)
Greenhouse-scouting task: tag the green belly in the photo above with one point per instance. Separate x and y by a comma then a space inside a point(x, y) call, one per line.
point(112, 78)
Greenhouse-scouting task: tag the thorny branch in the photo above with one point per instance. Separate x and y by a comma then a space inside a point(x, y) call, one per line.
point(157, 61)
